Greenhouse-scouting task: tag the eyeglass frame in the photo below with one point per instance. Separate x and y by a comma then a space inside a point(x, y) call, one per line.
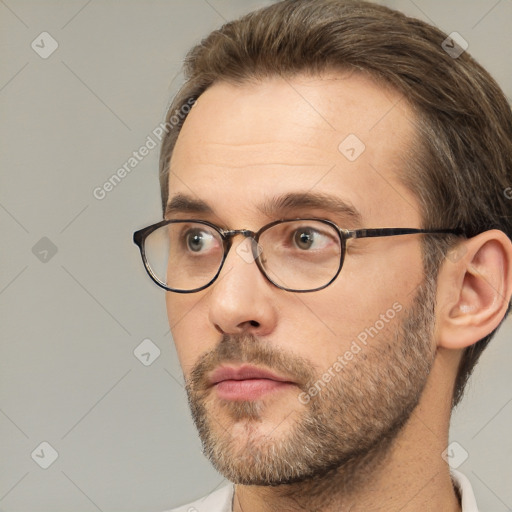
point(227, 235)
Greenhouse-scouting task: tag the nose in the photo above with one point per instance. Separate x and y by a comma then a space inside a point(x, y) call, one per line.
point(241, 299)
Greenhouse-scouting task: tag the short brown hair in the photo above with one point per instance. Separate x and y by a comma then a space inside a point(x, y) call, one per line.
point(461, 165)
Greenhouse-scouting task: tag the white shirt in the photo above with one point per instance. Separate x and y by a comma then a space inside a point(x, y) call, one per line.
point(220, 501)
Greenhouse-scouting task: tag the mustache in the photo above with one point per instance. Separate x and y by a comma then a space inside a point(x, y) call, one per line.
point(247, 348)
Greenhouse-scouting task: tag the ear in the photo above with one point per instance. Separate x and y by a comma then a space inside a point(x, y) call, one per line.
point(474, 287)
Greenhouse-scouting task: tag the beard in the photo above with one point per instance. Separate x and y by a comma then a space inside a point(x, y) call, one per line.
point(346, 428)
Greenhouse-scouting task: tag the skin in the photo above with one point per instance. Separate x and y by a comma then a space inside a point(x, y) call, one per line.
point(244, 144)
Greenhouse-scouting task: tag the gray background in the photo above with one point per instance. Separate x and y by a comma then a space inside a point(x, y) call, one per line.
point(70, 321)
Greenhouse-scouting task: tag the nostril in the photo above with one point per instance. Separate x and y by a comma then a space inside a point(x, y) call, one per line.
point(254, 323)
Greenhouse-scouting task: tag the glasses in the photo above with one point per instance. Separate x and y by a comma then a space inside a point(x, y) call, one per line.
point(297, 255)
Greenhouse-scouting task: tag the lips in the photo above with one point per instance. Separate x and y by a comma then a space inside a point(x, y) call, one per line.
point(244, 373)
point(246, 382)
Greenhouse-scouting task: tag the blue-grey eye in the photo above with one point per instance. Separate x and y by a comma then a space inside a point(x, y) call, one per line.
point(308, 238)
point(198, 240)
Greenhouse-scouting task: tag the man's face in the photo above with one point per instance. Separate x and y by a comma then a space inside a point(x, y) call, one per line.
point(241, 148)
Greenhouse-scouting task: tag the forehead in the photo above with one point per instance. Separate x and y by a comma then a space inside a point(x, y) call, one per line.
point(337, 134)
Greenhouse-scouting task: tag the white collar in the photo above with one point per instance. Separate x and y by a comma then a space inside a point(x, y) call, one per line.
point(468, 501)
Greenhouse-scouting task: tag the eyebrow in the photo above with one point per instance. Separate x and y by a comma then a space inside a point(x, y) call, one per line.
point(285, 203)
point(275, 207)
point(182, 203)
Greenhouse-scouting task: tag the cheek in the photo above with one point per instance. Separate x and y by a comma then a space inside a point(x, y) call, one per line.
point(386, 270)
point(365, 304)
point(325, 326)
point(187, 327)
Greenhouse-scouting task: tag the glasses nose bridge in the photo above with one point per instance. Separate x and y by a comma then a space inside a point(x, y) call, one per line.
point(229, 235)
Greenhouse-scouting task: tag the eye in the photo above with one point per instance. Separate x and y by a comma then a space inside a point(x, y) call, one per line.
point(308, 238)
point(199, 240)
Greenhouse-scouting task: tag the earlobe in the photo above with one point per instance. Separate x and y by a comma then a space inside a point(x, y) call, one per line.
point(474, 290)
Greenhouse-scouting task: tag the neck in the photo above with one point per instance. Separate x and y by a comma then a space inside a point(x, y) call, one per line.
point(407, 473)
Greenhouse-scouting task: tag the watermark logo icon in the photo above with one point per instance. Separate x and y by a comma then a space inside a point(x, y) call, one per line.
point(454, 45)
point(44, 455)
point(245, 250)
point(147, 352)
point(44, 45)
point(351, 147)
point(455, 455)
point(44, 250)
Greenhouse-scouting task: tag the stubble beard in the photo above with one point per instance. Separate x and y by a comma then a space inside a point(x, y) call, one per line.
point(347, 428)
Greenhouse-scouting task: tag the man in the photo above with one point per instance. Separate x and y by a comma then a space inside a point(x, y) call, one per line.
point(336, 250)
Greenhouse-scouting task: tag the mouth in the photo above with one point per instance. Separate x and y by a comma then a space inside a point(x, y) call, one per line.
point(246, 383)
